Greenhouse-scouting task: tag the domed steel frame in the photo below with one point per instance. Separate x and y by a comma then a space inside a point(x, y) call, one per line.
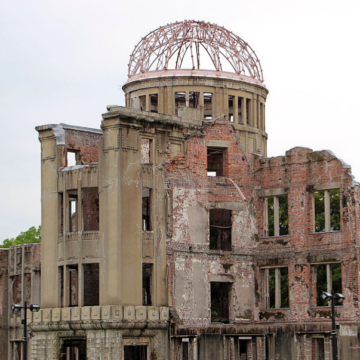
point(173, 41)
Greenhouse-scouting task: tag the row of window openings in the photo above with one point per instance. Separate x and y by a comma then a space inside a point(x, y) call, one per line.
point(276, 289)
point(90, 285)
point(239, 107)
point(90, 211)
point(326, 213)
point(276, 284)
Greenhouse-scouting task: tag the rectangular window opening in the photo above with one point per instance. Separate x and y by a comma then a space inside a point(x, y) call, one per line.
point(328, 277)
point(244, 349)
point(334, 210)
point(231, 108)
point(220, 229)
point(180, 101)
point(91, 284)
point(154, 103)
point(72, 158)
point(74, 350)
point(194, 99)
point(319, 211)
point(138, 352)
point(73, 285)
point(146, 209)
point(327, 210)
point(185, 349)
point(318, 349)
point(220, 295)
point(208, 107)
point(240, 115)
point(147, 284)
point(73, 213)
point(276, 288)
point(215, 161)
point(277, 216)
point(248, 107)
point(142, 102)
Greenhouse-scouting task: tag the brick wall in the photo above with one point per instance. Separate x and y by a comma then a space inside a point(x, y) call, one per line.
point(90, 209)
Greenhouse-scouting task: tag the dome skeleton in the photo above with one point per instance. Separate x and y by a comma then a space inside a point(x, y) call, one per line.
point(174, 41)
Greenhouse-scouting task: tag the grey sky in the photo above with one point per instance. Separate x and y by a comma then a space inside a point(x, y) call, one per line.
point(64, 61)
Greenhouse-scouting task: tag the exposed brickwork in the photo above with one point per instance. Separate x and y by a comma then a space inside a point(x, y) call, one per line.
point(90, 202)
point(91, 284)
point(3, 273)
point(83, 142)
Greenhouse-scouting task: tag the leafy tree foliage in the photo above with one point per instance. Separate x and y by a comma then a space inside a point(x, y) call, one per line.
point(33, 235)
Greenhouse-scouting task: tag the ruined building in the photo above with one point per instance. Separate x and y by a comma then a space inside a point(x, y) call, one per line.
point(168, 233)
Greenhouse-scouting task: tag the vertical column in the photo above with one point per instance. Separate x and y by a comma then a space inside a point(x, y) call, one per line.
point(266, 288)
point(225, 105)
point(201, 104)
point(258, 112)
point(49, 214)
point(148, 104)
point(243, 110)
point(80, 228)
point(120, 235)
point(161, 100)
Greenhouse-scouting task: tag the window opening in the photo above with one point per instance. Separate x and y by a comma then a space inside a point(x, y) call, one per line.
point(231, 108)
point(243, 349)
point(154, 103)
point(138, 352)
point(73, 350)
point(73, 285)
point(90, 205)
point(146, 151)
point(220, 229)
point(276, 288)
point(208, 107)
point(328, 277)
point(146, 209)
point(72, 157)
point(194, 99)
point(277, 218)
point(142, 102)
point(220, 301)
point(318, 349)
point(185, 349)
point(180, 101)
point(73, 213)
point(327, 210)
point(215, 161)
point(147, 284)
point(248, 106)
point(91, 284)
point(240, 115)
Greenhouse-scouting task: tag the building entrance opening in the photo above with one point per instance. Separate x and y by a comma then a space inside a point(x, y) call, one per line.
point(73, 350)
point(135, 352)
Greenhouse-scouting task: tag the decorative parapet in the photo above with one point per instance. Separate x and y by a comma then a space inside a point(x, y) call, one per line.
point(98, 317)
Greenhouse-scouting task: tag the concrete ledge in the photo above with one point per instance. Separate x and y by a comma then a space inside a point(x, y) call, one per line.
point(98, 317)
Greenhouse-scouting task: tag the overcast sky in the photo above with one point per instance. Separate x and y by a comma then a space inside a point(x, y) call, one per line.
point(64, 61)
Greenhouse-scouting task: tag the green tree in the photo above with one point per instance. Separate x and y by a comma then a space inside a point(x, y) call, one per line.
point(33, 235)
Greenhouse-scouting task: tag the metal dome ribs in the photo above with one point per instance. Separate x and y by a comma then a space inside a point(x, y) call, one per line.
point(174, 41)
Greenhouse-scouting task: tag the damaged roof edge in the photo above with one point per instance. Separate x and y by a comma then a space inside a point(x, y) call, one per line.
point(59, 130)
